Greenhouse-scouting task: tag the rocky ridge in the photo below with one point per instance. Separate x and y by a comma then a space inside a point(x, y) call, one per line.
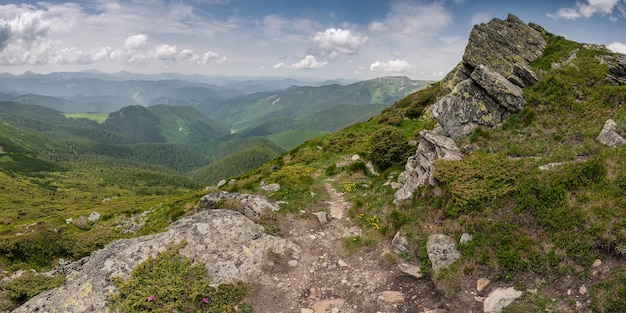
point(484, 89)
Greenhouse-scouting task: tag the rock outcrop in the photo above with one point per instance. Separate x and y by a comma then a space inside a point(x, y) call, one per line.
point(252, 206)
point(484, 89)
point(419, 169)
point(609, 136)
point(617, 68)
point(229, 245)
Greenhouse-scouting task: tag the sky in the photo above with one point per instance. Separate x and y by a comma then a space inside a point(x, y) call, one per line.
point(326, 39)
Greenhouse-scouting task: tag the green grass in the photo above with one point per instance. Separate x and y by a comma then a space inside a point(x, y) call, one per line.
point(97, 117)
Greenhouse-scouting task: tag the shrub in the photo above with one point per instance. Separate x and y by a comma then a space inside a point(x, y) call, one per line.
point(171, 283)
point(29, 285)
point(388, 147)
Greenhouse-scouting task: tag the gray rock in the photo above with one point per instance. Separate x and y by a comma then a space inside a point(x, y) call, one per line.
point(252, 206)
point(352, 232)
point(400, 243)
point(321, 217)
point(221, 183)
point(229, 245)
point(94, 216)
point(371, 169)
point(609, 136)
point(465, 108)
point(499, 299)
point(419, 168)
point(501, 44)
point(441, 251)
point(503, 91)
point(410, 269)
point(465, 238)
point(271, 187)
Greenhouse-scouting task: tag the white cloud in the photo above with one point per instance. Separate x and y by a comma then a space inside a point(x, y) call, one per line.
point(339, 40)
point(280, 65)
point(165, 52)
point(395, 66)
point(480, 17)
point(378, 26)
point(136, 41)
point(617, 47)
point(309, 62)
point(211, 57)
point(587, 9)
point(416, 19)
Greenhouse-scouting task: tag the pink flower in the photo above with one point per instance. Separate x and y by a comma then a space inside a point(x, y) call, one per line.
point(151, 298)
point(205, 300)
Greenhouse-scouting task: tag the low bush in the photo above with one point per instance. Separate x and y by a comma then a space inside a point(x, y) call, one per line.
point(172, 283)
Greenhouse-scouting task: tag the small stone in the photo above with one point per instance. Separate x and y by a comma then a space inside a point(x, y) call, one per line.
point(292, 263)
point(341, 263)
point(221, 183)
point(582, 290)
point(596, 263)
point(321, 217)
point(481, 283)
point(370, 167)
point(569, 292)
point(395, 185)
point(479, 299)
point(499, 299)
point(271, 187)
point(232, 181)
point(465, 238)
point(69, 220)
point(400, 243)
point(410, 269)
point(94, 216)
point(533, 291)
point(355, 158)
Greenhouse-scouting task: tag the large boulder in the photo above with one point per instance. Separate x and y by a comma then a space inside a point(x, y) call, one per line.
point(230, 246)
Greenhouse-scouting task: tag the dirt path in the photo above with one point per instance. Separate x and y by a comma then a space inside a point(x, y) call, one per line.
point(326, 277)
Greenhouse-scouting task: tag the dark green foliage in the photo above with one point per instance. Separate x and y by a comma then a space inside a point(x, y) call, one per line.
point(519, 120)
point(236, 163)
point(476, 180)
point(398, 219)
point(557, 49)
point(29, 285)
point(172, 283)
point(136, 122)
point(358, 167)
point(388, 147)
point(478, 133)
point(37, 248)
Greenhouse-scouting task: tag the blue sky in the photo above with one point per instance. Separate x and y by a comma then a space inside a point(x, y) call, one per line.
point(289, 38)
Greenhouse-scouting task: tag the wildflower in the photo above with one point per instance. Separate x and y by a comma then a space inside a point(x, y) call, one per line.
point(205, 300)
point(151, 298)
